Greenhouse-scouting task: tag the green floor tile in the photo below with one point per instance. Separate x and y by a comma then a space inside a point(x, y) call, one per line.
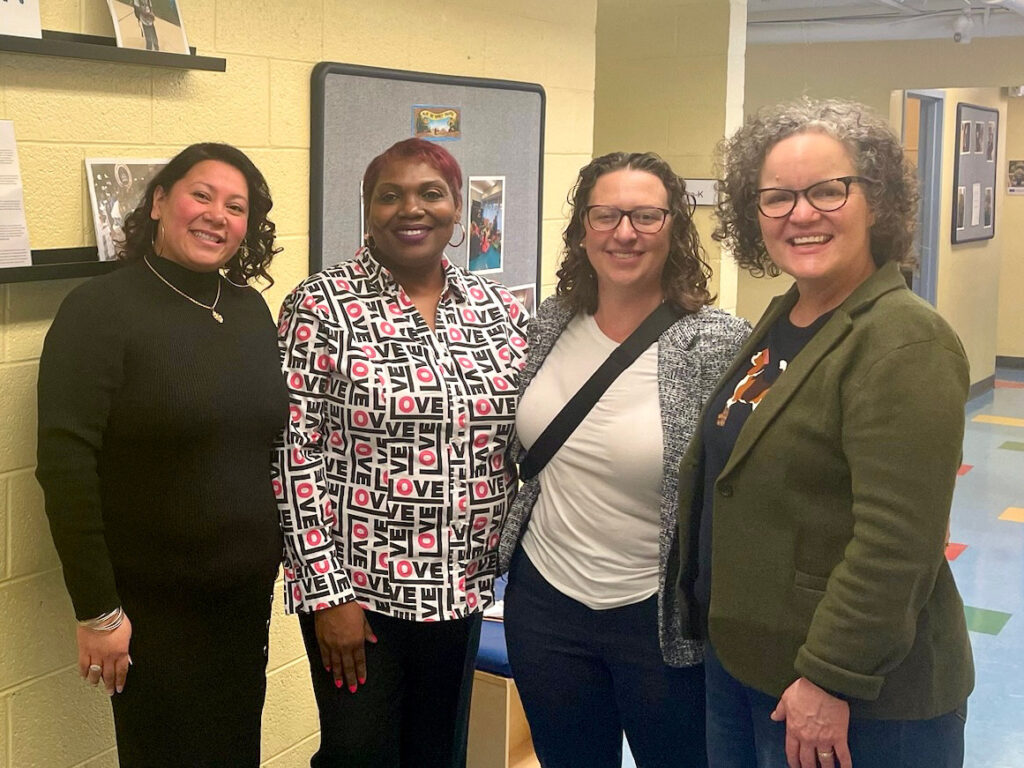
point(1012, 445)
point(984, 620)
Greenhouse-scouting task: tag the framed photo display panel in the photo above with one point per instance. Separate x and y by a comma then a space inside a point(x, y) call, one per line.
point(974, 173)
point(493, 128)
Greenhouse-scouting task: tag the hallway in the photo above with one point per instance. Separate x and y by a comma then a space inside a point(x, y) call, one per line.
point(987, 554)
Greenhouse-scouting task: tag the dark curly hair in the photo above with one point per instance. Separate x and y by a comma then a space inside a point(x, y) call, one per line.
point(686, 273)
point(875, 151)
point(250, 261)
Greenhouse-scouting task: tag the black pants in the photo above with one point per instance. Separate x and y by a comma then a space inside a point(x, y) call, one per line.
point(413, 711)
point(194, 693)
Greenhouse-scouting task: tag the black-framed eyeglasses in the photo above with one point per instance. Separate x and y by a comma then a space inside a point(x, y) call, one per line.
point(825, 196)
point(605, 218)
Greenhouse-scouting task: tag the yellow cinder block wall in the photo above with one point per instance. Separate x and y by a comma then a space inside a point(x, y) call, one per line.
point(65, 110)
point(663, 71)
point(978, 282)
point(968, 290)
point(1011, 275)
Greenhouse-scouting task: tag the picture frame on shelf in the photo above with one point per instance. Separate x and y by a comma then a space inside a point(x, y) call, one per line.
point(20, 18)
point(150, 25)
point(116, 187)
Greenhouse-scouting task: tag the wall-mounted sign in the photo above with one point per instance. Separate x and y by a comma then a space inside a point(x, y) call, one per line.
point(704, 191)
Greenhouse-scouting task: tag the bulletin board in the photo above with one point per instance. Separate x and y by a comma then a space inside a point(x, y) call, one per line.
point(974, 173)
point(494, 128)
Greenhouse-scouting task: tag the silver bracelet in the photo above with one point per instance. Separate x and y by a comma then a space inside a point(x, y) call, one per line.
point(106, 622)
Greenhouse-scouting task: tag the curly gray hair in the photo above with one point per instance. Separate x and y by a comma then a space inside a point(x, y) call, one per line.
point(875, 151)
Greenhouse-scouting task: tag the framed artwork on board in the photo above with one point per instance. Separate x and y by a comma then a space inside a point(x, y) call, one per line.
point(974, 173)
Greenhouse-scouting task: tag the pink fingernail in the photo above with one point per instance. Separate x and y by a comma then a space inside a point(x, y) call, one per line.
point(327, 667)
point(362, 680)
point(352, 689)
point(337, 683)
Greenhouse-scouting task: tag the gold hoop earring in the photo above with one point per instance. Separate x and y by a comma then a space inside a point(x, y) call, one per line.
point(462, 239)
point(156, 236)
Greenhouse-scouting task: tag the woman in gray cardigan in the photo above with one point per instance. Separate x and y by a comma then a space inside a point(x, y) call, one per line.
point(591, 617)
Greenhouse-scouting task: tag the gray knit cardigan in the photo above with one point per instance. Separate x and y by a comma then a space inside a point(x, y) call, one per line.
point(692, 354)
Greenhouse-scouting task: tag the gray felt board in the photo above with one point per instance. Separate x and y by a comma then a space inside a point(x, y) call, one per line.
point(358, 112)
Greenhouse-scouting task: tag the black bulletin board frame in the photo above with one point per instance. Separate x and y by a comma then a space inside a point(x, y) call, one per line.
point(973, 166)
point(356, 141)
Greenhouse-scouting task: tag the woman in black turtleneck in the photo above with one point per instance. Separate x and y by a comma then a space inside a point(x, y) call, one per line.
point(160, 396)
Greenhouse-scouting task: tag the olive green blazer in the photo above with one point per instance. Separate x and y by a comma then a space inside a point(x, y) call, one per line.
point(831, 514)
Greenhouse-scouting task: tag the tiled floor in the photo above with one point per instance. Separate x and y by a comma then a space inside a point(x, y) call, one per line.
point(988, 519)
point(987, 558)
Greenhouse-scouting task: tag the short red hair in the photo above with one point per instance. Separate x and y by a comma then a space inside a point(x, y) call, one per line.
point(428, 152)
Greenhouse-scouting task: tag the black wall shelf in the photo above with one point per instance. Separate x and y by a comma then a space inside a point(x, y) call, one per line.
point(76, 46)
point(59, 263)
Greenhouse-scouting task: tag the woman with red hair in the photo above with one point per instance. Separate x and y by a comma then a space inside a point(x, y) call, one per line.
point(395, 471)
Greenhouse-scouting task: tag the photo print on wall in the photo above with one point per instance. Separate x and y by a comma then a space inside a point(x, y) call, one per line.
point(526, 295)
point(436, 123)
point(1015, 177)
point(486, 223)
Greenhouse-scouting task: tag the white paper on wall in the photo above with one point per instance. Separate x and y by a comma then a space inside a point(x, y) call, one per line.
point(14, 248)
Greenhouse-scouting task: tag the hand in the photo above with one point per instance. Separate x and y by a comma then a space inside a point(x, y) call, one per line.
point(109, 652)
point(816, 727)
point(341, 632)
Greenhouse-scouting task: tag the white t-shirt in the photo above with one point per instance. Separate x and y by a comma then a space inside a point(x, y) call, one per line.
point(593, 533)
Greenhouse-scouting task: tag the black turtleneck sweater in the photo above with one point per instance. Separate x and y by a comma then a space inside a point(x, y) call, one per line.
point(156, 425)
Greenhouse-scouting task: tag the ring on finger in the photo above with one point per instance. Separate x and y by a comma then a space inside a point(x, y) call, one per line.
point(826, 754)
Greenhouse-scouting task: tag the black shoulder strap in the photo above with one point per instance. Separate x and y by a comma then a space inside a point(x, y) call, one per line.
point(574, 411)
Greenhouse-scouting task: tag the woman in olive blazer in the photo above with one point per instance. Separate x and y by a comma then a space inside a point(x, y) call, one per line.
point(815, 496)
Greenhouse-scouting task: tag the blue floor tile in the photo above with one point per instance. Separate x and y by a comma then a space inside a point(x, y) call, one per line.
point(990, 575)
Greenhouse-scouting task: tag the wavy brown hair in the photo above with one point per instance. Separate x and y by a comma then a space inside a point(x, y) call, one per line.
point(248, 262)
point(875, 151)
point(684, 279)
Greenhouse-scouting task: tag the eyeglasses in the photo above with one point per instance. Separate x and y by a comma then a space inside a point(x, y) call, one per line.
point(825, 196)
point(605, 218)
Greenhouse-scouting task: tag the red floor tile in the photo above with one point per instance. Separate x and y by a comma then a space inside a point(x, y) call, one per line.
point(1003, 384)
point(953, 551)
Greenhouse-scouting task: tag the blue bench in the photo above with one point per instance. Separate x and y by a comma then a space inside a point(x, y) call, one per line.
point(499, 736)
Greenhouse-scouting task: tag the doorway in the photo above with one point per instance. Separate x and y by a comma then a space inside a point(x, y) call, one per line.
point(922, 141)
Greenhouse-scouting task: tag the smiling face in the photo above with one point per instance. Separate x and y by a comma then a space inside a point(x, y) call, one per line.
point(828, 252)
point(622, 258)
point(202, 219)
point(412, 215)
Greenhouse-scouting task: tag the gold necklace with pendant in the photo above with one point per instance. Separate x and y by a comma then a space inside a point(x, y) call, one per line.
point(212, 307)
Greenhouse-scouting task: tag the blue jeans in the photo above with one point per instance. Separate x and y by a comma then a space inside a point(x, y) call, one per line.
point(742, 735)
point(587, 676)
